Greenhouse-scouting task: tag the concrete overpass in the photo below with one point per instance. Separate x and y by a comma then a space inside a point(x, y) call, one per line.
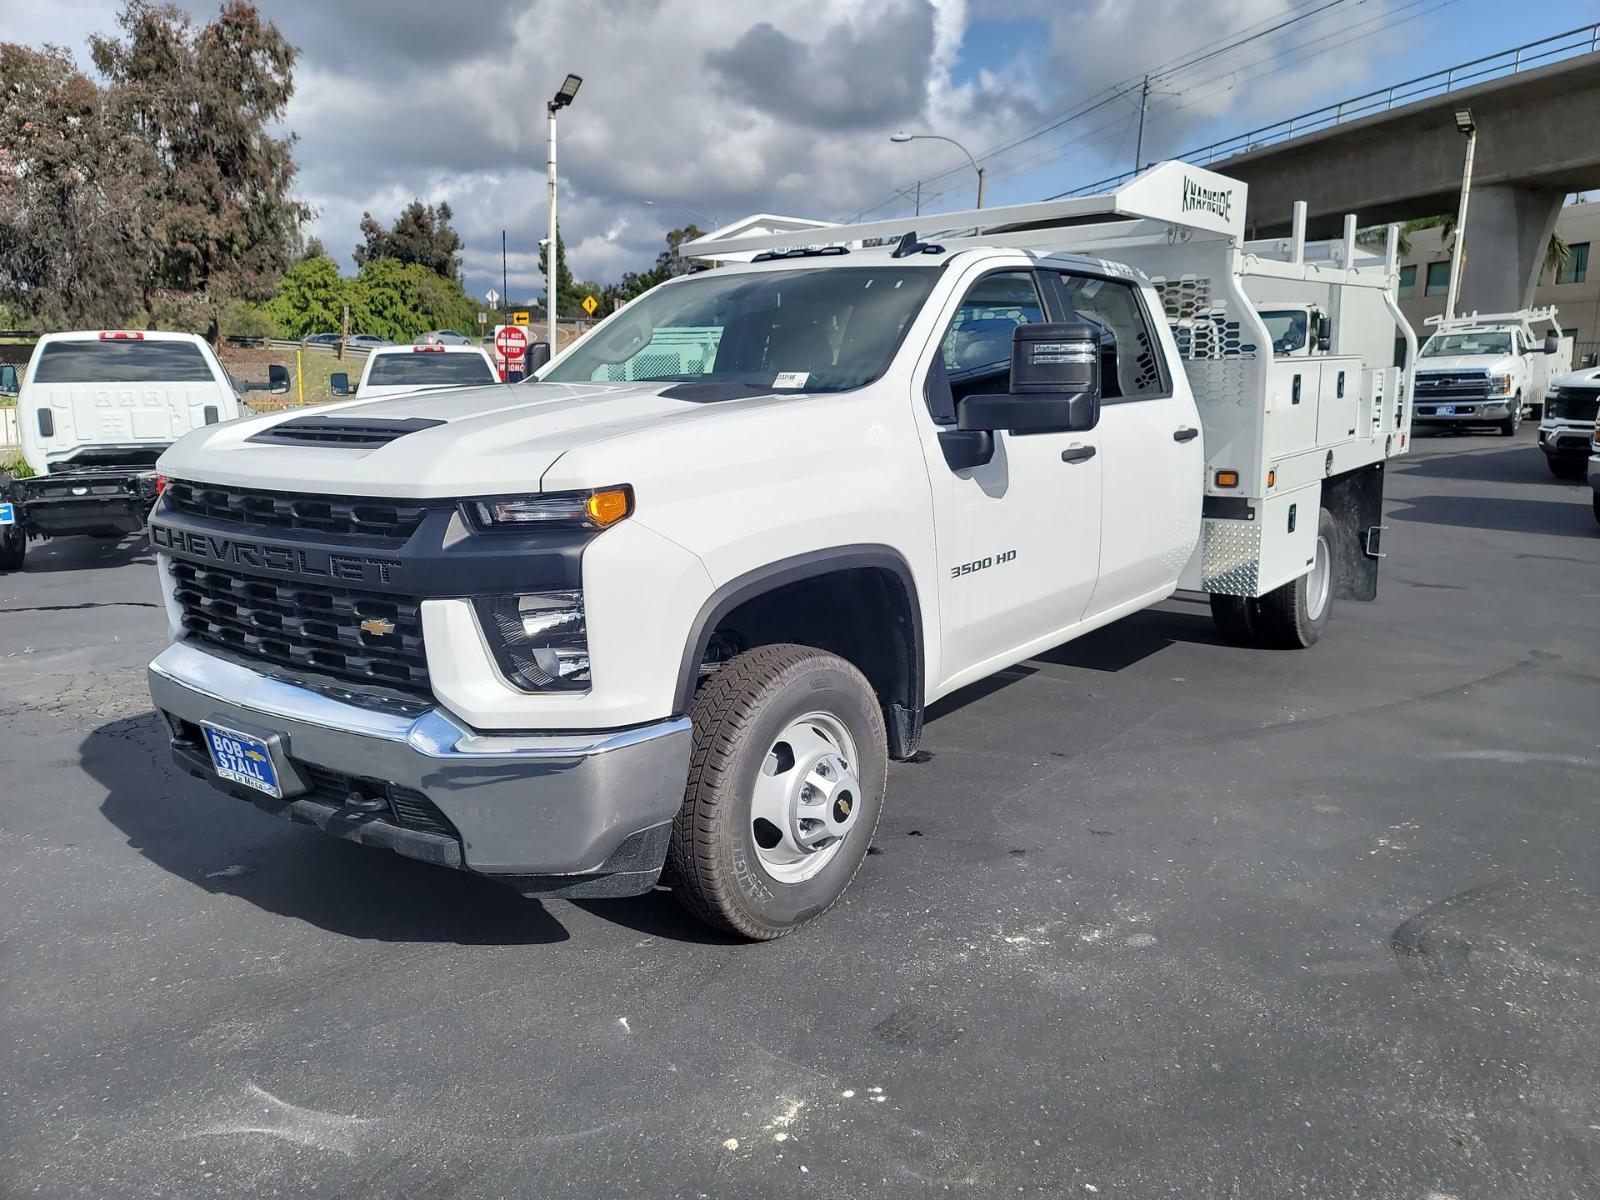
point(1538, 141)
point(1387, 156)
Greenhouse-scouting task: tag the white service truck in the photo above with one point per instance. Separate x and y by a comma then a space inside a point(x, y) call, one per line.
point(95, 409)
point(667, 611)
point(1489, 368)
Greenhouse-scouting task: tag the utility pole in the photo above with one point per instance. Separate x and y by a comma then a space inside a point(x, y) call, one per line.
point(1138, 147)
point(919, 197)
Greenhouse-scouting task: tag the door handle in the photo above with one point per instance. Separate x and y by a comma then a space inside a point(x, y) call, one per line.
point(1077, 454)
point(1185, 434)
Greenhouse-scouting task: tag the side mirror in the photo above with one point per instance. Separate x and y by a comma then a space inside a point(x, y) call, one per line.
point(9, 384)
point(339, 383)
point(1552, 344)
point(1055, 384)
point(537, 355)
point(1324, 332)
point(277, 379)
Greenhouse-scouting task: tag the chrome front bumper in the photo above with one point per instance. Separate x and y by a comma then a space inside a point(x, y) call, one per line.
point(1481, 411)
point(572, 814)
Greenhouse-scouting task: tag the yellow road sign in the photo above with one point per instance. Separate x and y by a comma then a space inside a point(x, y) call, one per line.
point(590, 304)
point(519, 318)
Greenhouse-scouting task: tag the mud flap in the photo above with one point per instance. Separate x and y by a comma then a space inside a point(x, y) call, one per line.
point(1355, 501)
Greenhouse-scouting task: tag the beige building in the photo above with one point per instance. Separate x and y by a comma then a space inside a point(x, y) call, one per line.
point(1575, 291)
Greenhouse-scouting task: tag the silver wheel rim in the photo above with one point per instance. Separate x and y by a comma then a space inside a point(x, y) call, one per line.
point(1320, 581)
point(807, 798)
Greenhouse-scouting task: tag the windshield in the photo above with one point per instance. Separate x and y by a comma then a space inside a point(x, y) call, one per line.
point(122, 361)
point(1286, 329)
point(427, 369)
point(826, 329)
point(1467, 343)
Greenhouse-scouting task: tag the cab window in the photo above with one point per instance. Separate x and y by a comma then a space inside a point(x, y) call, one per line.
point(975, 356)
point(1129, 366)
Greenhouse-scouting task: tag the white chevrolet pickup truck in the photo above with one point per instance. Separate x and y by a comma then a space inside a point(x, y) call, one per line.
point(665, 613)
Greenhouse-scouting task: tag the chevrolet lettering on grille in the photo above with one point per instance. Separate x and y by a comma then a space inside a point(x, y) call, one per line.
point(292, 560)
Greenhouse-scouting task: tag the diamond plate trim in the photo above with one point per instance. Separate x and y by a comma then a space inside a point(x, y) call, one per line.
point(1230, 558)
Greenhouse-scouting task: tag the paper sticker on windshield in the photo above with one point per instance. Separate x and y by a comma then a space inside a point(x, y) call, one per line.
point(791, 379)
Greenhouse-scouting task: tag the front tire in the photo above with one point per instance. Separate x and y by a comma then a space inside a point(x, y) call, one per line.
point(1292, 617)
point(1509, 427)
point(13, 548)
point(1567, 468)
point(786, 783)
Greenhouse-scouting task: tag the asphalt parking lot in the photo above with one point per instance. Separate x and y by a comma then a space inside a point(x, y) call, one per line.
point(1155, 917)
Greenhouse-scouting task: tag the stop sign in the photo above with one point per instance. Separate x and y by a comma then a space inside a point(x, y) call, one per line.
point(512, 343)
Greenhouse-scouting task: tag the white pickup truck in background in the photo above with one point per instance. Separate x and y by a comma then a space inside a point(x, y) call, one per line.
point(1489, 368)
point(95, 409)
point(400, 370)
point(665, 611)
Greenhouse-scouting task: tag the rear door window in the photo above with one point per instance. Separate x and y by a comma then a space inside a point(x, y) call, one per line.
point(1129, 366)
point(122, 362)
point(429, 369)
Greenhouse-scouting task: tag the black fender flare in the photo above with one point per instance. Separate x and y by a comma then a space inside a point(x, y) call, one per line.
point(903, 712)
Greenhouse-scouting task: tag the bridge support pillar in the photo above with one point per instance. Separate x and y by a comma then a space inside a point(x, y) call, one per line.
point(1508, 230)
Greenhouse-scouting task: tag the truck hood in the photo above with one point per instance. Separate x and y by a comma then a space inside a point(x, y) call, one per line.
point(489, 440)
point(1494, 364)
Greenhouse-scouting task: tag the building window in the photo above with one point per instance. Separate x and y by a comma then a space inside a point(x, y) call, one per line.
point(1408, 279)
point(1576, 268)
point(1438, 279)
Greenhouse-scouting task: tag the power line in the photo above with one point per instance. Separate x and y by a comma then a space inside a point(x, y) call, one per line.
point(1110, 94)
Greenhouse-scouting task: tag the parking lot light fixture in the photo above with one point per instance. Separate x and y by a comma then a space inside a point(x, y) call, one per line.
point(1466, 125)
point(939, 137)
point(564, 96)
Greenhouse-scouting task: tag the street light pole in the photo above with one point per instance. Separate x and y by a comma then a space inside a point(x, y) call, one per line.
point(1466, 125)
point(939, 137)
point(563, 97)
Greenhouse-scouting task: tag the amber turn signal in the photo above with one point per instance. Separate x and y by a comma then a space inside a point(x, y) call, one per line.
point(609, 507)
point(1227, 479)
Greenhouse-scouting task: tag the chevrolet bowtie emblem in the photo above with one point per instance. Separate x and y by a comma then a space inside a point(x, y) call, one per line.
point(377, 626)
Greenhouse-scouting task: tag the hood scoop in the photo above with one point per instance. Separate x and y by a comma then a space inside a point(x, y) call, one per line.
point(346, 433)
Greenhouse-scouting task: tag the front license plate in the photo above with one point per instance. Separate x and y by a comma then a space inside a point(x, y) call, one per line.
point(240, 758)
point(8, 514)
point(1447, 410)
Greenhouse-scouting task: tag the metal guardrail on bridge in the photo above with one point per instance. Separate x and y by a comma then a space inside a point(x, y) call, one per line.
point(1572, 44)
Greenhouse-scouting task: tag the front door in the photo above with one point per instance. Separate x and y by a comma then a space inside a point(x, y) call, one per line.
point(1018, 536)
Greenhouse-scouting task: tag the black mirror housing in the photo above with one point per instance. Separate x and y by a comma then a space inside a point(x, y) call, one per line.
point(1324, 333)
point(9, 383)
point(277, 379)
point(538, 354)
point(1055, 384)
point(1552, 344)
point(339, 383)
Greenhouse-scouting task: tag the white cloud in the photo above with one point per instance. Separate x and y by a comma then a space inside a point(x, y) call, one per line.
point(719, 107)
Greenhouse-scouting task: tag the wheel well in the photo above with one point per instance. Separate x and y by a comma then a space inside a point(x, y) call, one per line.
point(866, 615)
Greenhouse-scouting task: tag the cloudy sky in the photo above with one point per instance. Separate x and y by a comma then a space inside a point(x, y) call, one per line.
point(706, 110)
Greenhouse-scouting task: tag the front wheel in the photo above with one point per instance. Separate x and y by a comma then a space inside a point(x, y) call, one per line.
point(1509, 427)
point(1292, 617)
point(13, 548)
point(786, 782)
point(1567, 468)
point(1597, 506)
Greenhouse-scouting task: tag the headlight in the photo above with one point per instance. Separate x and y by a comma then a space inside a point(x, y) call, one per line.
point(565, 510)
point(540, 641)
point(1499, 385)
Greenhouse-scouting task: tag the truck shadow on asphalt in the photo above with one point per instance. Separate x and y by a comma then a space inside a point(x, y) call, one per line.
point(1571, 517)
point(87, 554)
point(226, 847)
